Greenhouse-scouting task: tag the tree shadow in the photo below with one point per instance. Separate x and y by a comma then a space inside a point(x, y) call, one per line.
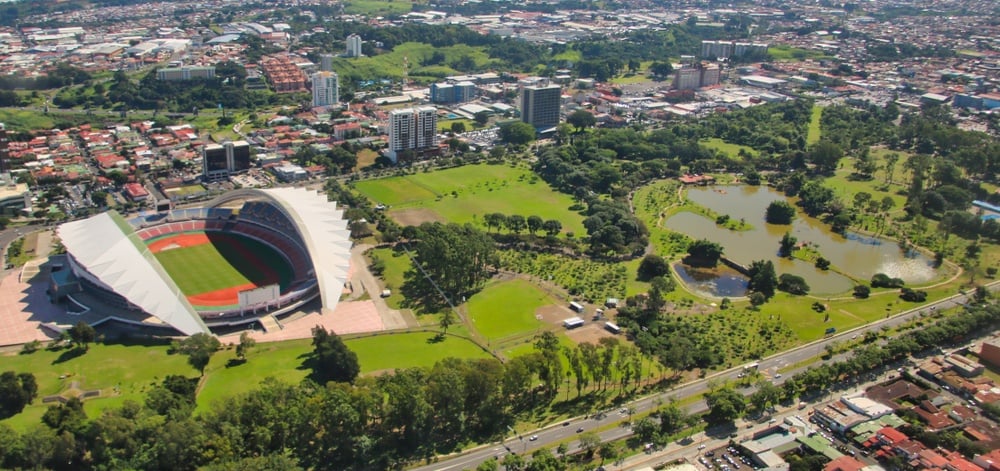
point(233, 362)
point(69, 355)
point(438, 338)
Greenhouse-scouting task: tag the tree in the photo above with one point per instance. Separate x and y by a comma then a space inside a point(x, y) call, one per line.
point(779, 212)
point(661, 69)
point(725, 405)
point(82, 334)
point(482, 118)
point(17, 390)
point(703, 253)
point(517, 133)
point(793, 284)
point(763, 279)
point(497, 220)
point(652, 266)
point(447, 319)
point(786, 245)
point(458, 127)
point(516, 223)
point(551, 227)
point(589, 442)
point(581, 119)
point(825, 155)
point(862, 291)
point(890, 166)
point(331, 359)
point(766, 396)
point(246, 343)
point(672, 419)
point(534, 224)
point(199, 349)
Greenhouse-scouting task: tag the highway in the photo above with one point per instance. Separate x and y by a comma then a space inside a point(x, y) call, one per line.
point(556, 433)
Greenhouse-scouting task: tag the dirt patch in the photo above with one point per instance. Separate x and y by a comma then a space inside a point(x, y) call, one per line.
point(591, 332)
point(553, 315)
point(220, 297)
point(416, 216)
point(177, 241)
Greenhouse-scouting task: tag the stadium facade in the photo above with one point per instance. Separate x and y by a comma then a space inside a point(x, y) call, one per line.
point(108, 256)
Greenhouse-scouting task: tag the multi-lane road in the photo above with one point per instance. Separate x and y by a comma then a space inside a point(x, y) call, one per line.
point(568, 430)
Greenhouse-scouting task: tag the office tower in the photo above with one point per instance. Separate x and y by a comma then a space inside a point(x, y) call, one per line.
point(221, 161)
point(412, 129)
point(354, 46)
point(326, 62)
point(325, 89)
point(540, 105)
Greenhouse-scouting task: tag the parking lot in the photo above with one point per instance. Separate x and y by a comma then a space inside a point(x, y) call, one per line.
point(726, 458)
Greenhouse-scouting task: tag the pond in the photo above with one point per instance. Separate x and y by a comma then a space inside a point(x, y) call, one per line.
point(721, 281)
point(857, 255)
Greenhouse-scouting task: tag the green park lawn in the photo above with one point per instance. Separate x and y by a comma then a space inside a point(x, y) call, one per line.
point(386, 351)
point(132, 368)
point(396, 264)
point(390, 64)
point(792, 54)
point(507, 308)
point(465, 194)
point(814, 132)
point(376, 7)
point(730, 149)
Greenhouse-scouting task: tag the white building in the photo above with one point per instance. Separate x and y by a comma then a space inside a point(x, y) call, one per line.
point(412, 128)
point(325, 89)
point(354, 46)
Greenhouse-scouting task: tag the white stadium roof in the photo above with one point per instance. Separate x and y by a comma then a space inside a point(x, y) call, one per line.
point(107, 247)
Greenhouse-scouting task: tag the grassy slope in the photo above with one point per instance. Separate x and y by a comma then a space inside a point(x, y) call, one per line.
point(130, 367)
point(478, 190)
point(507, 308)
point(396, 264)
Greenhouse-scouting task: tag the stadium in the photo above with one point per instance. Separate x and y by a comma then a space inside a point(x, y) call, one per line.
point(244, 255)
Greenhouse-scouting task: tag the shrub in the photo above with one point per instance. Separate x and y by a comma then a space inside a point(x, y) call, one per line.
point(862, 291)
point(881, 280)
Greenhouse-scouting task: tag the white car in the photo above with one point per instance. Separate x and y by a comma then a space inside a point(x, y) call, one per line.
point(533, 438)
point(701, 447)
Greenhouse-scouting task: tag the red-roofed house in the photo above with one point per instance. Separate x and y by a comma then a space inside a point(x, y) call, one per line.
point(957, 462)
point(136, 192)
point(844, 463)
point(890, 436)
point(989, 461)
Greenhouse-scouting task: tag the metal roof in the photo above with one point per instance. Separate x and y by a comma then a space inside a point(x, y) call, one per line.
point(107, 247)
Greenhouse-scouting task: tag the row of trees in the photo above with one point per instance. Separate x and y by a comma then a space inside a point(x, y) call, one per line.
point(516, 224)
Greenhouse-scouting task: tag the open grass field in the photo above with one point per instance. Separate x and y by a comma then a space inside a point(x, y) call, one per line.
point(396, 264)
point(377, 7)
point(366, 157)
point(390, 65)
point(227, 261)
point(465, 194)
point(585, 279)
point(507, 308)
point(25, 120)
point(815, 132)
point(791, 54)
point(381, 352)
point(132, 368)
point(732, 150)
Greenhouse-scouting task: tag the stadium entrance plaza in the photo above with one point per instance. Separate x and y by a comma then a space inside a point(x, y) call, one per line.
point(27, 314)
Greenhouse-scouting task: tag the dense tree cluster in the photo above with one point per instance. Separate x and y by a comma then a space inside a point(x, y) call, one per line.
point(450, 260)
point(17, 390)
point(613, 229)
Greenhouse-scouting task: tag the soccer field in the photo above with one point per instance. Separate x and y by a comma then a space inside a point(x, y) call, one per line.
point(229, 260)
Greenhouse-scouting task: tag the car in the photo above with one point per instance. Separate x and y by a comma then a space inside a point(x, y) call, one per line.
point(566, 423)
point(701, 447)
point(579, 430)
point(710, 453)
point(777, 375)
point(533, 438)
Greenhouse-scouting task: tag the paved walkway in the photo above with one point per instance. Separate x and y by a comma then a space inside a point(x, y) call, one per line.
point(23, 309)
point(363, 281)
